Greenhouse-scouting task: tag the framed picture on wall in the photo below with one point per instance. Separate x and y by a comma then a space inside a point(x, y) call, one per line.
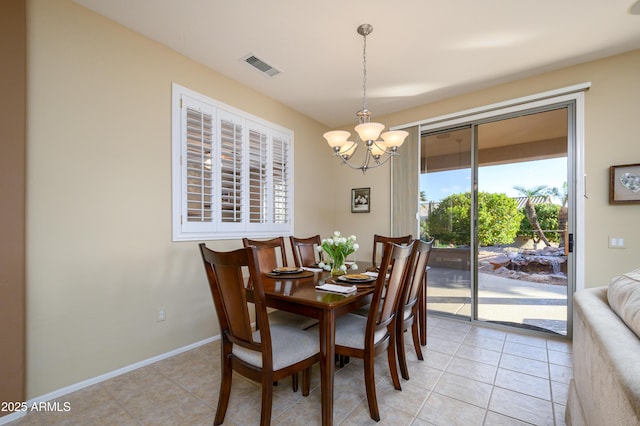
point(360, 200)
point(624, 184)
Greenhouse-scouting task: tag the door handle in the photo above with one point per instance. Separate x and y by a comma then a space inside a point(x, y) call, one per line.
point(570, 243)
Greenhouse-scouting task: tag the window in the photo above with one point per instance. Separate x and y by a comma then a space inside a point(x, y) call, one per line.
point(231, 171)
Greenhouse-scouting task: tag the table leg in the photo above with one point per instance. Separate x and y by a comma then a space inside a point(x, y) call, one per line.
point(422, 311)
point(327, 364)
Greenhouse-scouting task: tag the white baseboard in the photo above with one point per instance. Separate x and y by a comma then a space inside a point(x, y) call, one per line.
point(94, 380)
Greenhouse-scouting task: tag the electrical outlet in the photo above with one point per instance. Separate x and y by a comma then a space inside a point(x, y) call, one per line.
point(161, 316)
point(616, 243)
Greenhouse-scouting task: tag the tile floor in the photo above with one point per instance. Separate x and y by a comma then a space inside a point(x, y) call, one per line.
point(471, 375)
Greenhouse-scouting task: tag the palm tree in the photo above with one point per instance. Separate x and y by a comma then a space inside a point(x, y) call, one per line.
point(424, 231)
point(563, 196)
point(530, 211)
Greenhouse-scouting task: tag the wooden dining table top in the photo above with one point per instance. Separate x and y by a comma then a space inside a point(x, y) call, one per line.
point(303, 291)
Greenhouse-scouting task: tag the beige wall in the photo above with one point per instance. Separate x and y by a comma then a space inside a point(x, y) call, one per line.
point(99, 251)
point(13, 85)
point(100, 257)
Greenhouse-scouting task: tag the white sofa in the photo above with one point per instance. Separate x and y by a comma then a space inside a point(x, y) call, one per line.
point(605, 389)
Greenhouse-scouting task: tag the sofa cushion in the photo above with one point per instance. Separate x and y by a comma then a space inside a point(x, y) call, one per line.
point(624, 298)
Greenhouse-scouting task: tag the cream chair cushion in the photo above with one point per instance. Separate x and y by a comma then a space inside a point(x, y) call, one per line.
point(278, 317)
point(289, 345)
point(350, 331)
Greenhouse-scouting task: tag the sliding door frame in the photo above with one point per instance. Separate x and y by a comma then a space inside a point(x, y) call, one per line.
point(571, 97)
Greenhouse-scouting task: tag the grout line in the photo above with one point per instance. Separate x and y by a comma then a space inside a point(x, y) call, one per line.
point(553, 406)
point(442, 327)
point(117, 401)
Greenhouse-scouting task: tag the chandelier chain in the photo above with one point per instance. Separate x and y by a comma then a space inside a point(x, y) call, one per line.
point(364, 73)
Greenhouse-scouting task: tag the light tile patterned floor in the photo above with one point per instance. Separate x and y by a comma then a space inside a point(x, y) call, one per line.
point(471, 375)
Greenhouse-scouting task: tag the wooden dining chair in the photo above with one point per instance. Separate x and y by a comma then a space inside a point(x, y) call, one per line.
point(379, 241)
point(407, 316)
point(272, 254)
point(305, 250)
point(366, 337)
point(268, 354)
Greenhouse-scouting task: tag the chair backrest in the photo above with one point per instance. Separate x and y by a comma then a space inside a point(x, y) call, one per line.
point(226, 282)
point(305, 250)
point(415, 277)
point(380, 241)
point(271, 253)
point(384, 302)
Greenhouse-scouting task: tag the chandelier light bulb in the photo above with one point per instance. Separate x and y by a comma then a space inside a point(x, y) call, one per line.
point(369, 131)
point(377, 149)
point(347, 150)
point(337, 138)
point(394, 138)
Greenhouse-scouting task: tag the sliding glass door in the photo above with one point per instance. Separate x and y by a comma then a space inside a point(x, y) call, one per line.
point(446, 179)
point(495, 196)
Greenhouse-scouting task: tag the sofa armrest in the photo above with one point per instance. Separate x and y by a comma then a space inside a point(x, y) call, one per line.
point(606, 366)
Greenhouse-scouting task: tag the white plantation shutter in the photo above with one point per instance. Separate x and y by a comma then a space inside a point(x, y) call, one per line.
point(199, 182)
point(231, 166)
point(197, 210)
point(232, 172)
point(258, 186)
point(280, 179)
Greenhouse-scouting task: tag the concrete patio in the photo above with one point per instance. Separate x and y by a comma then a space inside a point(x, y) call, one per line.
point(501, 300)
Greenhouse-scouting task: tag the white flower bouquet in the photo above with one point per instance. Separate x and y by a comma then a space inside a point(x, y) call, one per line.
point(338, 248)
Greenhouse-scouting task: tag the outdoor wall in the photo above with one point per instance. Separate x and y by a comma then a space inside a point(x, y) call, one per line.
point(611, 109)
point(100, 256)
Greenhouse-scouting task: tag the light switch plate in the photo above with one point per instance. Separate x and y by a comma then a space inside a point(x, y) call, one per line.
point(616, 242)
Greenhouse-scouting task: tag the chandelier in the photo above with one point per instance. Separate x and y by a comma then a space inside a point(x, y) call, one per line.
point(378, 151)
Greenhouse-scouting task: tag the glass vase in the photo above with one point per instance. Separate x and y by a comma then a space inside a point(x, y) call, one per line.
point(337, 267)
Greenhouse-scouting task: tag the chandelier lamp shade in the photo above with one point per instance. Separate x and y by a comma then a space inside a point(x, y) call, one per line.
point(380, 147)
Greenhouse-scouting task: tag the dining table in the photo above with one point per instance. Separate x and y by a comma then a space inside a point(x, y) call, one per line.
point(297, 293)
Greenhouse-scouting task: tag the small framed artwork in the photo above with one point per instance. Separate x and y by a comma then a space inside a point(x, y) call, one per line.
point(360, 200)
point(624, 187)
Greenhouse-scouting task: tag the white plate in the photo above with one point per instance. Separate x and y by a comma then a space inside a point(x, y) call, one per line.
point(356, 278)
point(287, 270)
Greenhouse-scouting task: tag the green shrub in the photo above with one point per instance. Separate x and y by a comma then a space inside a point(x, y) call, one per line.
point(498, 219)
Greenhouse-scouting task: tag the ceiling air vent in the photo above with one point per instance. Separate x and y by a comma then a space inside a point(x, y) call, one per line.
point(261, 66)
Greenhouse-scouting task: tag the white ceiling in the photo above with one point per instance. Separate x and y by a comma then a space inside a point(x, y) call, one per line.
point(420, 50)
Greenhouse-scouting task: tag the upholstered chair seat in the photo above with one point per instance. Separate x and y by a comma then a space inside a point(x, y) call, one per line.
point(351, 331)
point(278, 317)
point(289, 346)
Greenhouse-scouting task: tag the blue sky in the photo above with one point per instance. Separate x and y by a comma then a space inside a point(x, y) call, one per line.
point(501, 178)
